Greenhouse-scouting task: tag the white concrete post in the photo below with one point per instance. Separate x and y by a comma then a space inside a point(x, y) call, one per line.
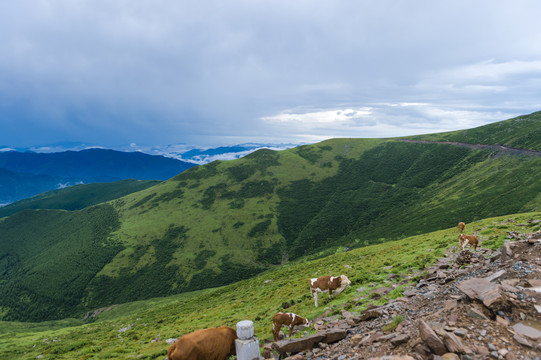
point(247, 345)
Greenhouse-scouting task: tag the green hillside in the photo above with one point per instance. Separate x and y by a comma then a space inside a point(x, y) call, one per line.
point(129, 331)
point(521, 132)
point(78, 197)
point(226, 221)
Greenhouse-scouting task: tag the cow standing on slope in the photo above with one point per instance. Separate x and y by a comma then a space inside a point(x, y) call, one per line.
point(461, 227)
point(471, 240)
point(287, 319)
point(330, 284)
point(205, 344)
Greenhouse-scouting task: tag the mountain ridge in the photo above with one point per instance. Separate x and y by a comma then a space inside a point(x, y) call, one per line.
point(39, 172)
point(228, 220)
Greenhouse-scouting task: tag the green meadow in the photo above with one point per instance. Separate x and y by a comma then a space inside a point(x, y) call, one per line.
point(129, 330)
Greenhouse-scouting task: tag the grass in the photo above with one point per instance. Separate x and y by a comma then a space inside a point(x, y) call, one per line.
point(256, 299)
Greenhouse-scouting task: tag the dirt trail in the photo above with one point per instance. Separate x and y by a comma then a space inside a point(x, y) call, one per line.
point(499, 148)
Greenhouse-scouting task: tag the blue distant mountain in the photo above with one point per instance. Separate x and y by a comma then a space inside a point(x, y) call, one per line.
point(219, 150)
point(203, 156)
point(25, 174)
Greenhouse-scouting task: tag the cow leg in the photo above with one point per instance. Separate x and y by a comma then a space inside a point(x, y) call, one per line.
point(291, 329)
point(330, 292)
point(315, 297)
point(276, 331)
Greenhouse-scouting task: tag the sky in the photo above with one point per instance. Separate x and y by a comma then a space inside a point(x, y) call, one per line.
point(212, 73)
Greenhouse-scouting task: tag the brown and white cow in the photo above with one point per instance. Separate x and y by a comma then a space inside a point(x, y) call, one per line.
point(205, 344)
point(288, 319)
point(471, 240)
point(461, 227)
point(330, 284)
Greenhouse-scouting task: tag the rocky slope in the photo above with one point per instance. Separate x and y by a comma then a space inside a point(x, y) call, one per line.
point(482, 305)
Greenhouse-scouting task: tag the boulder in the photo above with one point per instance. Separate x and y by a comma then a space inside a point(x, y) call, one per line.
point(484, 290)
point(295, 357)
point(507, 251)
point(308, 342)
point(371, 314)
point(400, 339)
point(430, 338)
point(297, 345)
point(453, 343)
point(332, 335)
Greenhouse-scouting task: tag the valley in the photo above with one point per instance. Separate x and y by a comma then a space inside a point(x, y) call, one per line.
point(233, 240)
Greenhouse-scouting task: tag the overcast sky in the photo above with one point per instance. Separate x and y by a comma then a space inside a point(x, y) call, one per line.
point(115, 72)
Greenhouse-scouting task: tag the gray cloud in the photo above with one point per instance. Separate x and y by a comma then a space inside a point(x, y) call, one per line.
point(211, 72)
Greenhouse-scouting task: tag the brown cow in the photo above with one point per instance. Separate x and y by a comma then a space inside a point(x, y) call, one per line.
point(471, 240)
point(205, 344)
point(461, 227)
point(288, 319)
point(329, 284)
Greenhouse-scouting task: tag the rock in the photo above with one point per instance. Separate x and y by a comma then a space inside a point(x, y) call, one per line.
point(371, 338)
point(522, 340)
point(346, 314)
point(450, 356)
point(507, 251)
point(475, 313)
point(482, 350)
point(332, 335)
point(422, 350)
point(496, 275)
point(482, 289)
point(370, 314)
point(400, 339)
point(431, 339)
point(357, 339)
point(452, 319)
point(410, 293)
point(295, 357)
point(502, 320)
point(393, 357)
point(383, 290)
point(453, 343)
point(297, 345)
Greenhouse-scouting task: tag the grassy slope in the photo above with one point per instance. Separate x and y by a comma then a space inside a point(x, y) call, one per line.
point(78, 197)
point(228, 221)
point(256, 299)
point(521, 132)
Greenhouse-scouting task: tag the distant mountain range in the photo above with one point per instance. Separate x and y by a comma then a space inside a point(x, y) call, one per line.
point(195, 154)
point(24, 174)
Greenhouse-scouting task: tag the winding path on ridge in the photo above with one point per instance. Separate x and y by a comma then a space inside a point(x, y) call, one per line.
point(500, 148)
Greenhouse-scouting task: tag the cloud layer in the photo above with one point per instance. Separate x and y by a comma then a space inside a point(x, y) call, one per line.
point(112, 72)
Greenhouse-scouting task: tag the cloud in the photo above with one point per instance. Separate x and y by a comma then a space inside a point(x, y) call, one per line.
point(112, 72)
point(315, 118)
